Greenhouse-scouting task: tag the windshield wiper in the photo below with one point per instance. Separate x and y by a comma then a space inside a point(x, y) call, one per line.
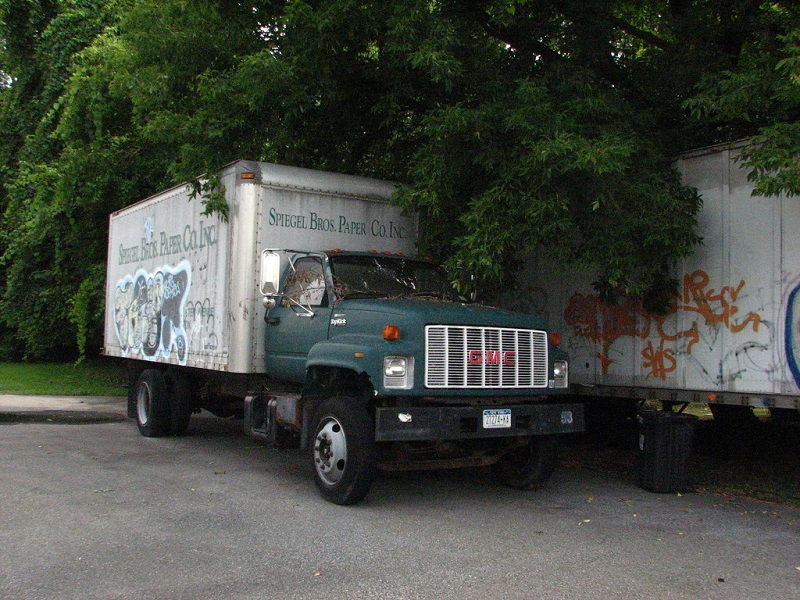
point(429, 293)
point(362, 294)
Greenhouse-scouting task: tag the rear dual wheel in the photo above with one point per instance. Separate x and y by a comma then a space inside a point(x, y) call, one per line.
point(527, 466)
point(163, 403)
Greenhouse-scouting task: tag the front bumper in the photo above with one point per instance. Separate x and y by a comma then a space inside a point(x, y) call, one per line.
point(420, 423)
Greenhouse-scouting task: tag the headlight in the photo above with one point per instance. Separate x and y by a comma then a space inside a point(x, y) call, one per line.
point(398, 372)
point(560, 374)
point(559, 369)
point(394, 366)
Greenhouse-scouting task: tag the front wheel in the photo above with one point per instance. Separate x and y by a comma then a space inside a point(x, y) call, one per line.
point(527, 466)
point(343, 450)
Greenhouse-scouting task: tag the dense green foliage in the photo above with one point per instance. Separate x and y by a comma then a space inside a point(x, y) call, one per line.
point(511, 125)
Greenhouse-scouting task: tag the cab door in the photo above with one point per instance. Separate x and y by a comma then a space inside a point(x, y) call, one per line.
point(299, 320)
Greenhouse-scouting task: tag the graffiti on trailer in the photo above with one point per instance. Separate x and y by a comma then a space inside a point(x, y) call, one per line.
point(590, 317)
point(792, 336)
point(199, 321)
point(148, 311)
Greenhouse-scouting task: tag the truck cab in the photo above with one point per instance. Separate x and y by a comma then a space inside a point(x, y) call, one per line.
point(395, 369)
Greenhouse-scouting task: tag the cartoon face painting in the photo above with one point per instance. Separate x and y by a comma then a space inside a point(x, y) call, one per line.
point(148, 312)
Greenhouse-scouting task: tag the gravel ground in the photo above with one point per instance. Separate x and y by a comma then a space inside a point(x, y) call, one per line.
point(90, 509)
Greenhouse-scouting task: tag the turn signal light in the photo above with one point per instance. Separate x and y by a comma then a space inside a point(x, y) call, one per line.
point(391, 333)
point(555, 338)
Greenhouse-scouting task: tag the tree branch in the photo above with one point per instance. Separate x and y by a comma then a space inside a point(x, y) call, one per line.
point(643, 35)
point(521, 41)
point(516, 37)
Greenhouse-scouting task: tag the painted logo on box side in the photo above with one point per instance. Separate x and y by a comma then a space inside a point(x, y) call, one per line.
point(148, 312)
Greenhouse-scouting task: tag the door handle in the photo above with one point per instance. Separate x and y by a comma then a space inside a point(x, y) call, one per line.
point(271, 320)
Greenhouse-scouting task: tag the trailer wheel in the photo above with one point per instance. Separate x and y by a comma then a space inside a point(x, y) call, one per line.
point(181, 402)
point(343, 450)
point(152, 404)
point(729, 415)
point(527, 466)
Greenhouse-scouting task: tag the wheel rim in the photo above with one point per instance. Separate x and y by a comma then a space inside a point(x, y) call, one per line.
point(143, 402)
point(330, 451)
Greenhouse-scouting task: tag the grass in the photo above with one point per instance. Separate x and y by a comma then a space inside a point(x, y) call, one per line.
point(95, 378)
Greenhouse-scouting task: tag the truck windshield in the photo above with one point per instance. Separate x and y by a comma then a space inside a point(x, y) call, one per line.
point(389, 276)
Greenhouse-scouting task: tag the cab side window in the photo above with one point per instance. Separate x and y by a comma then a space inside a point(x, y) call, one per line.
point(306, 284)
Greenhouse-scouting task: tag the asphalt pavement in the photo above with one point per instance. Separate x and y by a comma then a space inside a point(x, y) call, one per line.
point(90, 509)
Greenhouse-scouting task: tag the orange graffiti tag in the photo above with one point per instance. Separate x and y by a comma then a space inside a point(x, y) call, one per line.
point(603, 323)
point(715, 308)
point(660, 361)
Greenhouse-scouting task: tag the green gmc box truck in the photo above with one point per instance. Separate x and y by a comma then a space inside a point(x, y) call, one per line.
point(305, 314)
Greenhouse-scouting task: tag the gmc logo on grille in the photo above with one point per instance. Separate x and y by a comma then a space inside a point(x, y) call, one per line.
point(491, 357)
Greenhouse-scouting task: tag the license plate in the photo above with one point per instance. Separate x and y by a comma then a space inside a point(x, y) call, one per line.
point(497, 418)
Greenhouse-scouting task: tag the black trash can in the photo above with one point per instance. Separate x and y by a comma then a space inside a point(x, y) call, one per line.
point(665, 443)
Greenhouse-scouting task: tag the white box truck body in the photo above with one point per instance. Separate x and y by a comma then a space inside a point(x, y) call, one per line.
point(182, 288)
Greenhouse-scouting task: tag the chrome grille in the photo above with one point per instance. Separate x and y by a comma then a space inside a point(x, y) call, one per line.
point(457, 356)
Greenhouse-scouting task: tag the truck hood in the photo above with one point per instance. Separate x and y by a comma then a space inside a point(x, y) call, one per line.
point(430, 312)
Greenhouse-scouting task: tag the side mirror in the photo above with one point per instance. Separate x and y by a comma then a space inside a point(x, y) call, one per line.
point(270, 272)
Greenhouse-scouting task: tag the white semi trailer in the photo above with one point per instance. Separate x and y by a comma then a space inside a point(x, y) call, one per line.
point(732, 335)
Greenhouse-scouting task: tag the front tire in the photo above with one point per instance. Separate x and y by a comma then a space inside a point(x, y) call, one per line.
point(152, 404)
point(528, 466)
point(343, 450)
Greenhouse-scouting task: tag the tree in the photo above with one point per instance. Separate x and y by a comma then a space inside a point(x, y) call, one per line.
point(758, 96)
point(513, 126)
point(44, 249)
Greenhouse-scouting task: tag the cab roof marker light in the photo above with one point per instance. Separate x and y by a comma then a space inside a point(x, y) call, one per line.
point(247, 175)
